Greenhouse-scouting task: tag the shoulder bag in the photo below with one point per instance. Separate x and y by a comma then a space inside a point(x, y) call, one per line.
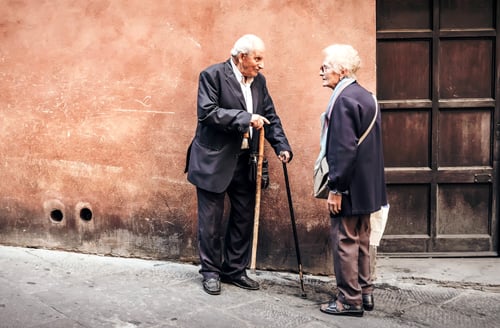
point(321, 171)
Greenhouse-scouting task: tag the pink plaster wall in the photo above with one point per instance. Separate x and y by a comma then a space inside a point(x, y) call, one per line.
point(97, 108)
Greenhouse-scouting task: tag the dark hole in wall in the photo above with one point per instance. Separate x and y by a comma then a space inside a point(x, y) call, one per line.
point(56, 215)
point(86, 214)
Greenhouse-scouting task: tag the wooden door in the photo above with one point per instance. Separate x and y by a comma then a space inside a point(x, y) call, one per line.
point(437, 82)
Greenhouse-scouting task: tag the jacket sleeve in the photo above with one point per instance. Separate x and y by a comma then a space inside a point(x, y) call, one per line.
point(209, 111)
point(274, 131)
point(342, 143)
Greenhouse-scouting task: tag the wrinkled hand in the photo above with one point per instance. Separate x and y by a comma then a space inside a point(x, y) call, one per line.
point(334, 203)
point(258, 121)
point(284, 156)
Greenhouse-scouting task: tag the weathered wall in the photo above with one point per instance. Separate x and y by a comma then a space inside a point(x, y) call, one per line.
point(97, 108)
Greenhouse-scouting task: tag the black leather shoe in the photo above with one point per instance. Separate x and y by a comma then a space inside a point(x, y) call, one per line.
point(243, 282)
point(347, 309)
point(211, 286)
point(368, 303)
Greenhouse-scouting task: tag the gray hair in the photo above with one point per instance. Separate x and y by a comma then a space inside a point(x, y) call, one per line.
point(246, 44)
point(342, 56)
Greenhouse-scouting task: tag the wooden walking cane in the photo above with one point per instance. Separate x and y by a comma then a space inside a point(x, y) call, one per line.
point(258, 189)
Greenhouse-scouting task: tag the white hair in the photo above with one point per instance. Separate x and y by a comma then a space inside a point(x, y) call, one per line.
point(342, 57)
point(246, 44)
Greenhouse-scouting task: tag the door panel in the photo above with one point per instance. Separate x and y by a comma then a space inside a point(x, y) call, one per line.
point(413, 133)
point(403, 70)
point(403, 14)
point(436, 84)
point(466, 137)
point(466, 68)
point(463, 209)
point(412, 209)
point(466, 14)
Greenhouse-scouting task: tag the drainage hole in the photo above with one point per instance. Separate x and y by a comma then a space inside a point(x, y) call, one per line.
point(56, 215)
point(86, 214)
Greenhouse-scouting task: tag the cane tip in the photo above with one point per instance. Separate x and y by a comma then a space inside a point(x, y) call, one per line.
point(303, 295)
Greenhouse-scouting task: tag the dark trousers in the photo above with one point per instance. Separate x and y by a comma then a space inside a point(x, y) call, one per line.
point(351, 257)
point(232, 256)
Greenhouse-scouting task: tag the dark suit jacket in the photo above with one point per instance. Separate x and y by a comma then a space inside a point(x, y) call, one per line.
point(359, 170)
point(222, 120)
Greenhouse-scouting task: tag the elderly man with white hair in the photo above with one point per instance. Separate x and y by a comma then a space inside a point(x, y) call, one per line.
point(352, 143)
point(234, 105)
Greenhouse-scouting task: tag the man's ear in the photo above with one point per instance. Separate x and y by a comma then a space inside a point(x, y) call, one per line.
point(240, 57)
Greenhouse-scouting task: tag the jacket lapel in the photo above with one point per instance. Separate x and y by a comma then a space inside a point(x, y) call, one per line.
point(233, 84)
point(255, 95)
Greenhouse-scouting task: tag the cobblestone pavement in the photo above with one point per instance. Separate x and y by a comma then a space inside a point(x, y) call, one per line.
point(43, 288)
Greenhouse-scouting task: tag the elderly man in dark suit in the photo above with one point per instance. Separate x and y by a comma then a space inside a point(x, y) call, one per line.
point(233, 106)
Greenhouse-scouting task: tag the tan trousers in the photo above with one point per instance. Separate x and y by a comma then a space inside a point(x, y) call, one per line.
point(351, 257)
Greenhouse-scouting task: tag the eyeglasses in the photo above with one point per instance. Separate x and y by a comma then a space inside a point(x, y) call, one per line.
point(324, 68)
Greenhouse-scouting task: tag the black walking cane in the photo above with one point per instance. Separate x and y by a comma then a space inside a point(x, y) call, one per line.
point(294, 229)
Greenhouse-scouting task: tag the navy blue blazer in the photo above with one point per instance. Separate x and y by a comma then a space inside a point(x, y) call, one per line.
point(222, 120)
point(357, 171)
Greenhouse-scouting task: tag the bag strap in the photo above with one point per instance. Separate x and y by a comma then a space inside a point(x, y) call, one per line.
point(371, 124)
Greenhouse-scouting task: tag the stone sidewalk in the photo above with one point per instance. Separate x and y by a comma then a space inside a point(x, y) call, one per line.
point(44, 288)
